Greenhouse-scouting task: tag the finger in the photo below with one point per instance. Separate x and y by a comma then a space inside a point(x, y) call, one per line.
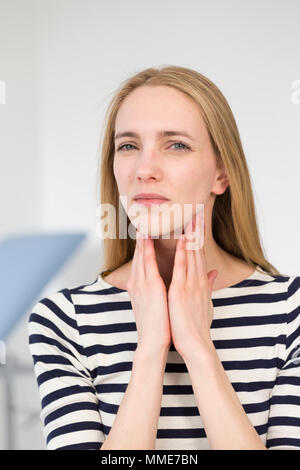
point(190, 246)
point(179, 269)
point(201, 262)
point(200, 226)
point(135, 257)
point(195, 229)
point(141, 263)
point(151, 267)
point(190, 234)
point(188, 229)
point(140, 269)
point(191, 267)
point(199, 252)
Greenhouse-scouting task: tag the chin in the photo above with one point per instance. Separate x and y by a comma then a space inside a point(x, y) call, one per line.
point(156, 223)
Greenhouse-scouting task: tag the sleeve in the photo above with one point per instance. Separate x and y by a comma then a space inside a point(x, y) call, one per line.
point(69, 404)
point(283, 430)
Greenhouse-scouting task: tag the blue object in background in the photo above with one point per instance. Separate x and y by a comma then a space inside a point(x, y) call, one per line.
point(27, 264)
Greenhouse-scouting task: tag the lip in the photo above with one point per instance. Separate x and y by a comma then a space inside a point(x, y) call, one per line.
point(150, 196)
point(149, 202)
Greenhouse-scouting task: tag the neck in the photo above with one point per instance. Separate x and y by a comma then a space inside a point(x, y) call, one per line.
point(215, 258)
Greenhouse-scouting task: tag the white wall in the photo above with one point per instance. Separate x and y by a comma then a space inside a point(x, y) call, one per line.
point(62, 60)
point(21, 190)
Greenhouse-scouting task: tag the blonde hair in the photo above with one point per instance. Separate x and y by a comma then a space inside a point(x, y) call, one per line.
point(234, 226)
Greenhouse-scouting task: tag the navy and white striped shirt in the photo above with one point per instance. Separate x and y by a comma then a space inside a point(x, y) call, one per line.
point(82, 341)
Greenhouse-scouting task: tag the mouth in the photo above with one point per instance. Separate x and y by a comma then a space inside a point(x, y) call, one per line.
point(148, 202)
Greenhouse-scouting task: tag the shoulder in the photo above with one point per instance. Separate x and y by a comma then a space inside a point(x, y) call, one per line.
point(57, 309)
point(293, 299)
point(52, 320)
point(57, 304)
point(64, 308)
point(293, 288)
point(283, 284)
point(292, 310)
point(287, 287)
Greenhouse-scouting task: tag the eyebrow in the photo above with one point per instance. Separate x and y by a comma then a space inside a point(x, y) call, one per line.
point(159, 134)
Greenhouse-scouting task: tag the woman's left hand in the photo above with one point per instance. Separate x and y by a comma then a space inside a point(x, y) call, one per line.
point(189, 296)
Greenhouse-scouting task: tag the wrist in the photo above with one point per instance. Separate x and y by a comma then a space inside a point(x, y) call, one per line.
point(149, 363)
point(147, 353)
point(202, 352)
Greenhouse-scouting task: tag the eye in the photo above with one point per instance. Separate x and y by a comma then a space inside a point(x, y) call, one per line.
point(184, 149)
point(181, 143)
point(124, 145)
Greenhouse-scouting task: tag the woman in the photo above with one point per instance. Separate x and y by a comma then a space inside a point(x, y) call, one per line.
point(170, 347)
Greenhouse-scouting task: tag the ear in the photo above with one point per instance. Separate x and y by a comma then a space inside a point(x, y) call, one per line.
point(221, 180)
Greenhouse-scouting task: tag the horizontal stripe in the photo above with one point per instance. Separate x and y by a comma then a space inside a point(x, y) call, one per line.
point(283, 441)
point(73, 427)
point(45, 322)
point(73, 407)
point(63, 393)
point(82, 446)
point(82, 341)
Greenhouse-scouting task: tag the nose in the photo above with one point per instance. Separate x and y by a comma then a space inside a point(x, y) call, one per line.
point(148, 166)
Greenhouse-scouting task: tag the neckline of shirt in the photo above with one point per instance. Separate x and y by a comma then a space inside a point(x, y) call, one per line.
point(256, 275)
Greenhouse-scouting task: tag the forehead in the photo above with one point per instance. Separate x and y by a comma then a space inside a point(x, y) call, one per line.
point(150, 109)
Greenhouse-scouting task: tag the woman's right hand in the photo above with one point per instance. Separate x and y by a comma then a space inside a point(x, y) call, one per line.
point(148, 297)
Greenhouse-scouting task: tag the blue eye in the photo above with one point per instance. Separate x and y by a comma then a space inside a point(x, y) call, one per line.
point(124, 145)
point(181, 143)
point(180, 149)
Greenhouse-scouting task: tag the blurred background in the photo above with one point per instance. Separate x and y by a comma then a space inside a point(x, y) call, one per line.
point(60, 62)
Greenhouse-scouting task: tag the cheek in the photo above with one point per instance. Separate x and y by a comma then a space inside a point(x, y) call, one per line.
point(122, 174)
point(194, 183)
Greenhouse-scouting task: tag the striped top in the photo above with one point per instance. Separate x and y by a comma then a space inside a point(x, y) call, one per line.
point(82, 341)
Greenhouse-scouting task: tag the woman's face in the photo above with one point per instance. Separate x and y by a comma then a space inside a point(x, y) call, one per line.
point(180, 167)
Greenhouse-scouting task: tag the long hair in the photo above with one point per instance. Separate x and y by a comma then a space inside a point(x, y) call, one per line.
point(234, 225)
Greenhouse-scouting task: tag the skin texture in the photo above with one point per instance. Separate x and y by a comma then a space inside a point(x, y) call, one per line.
point(162, 165)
